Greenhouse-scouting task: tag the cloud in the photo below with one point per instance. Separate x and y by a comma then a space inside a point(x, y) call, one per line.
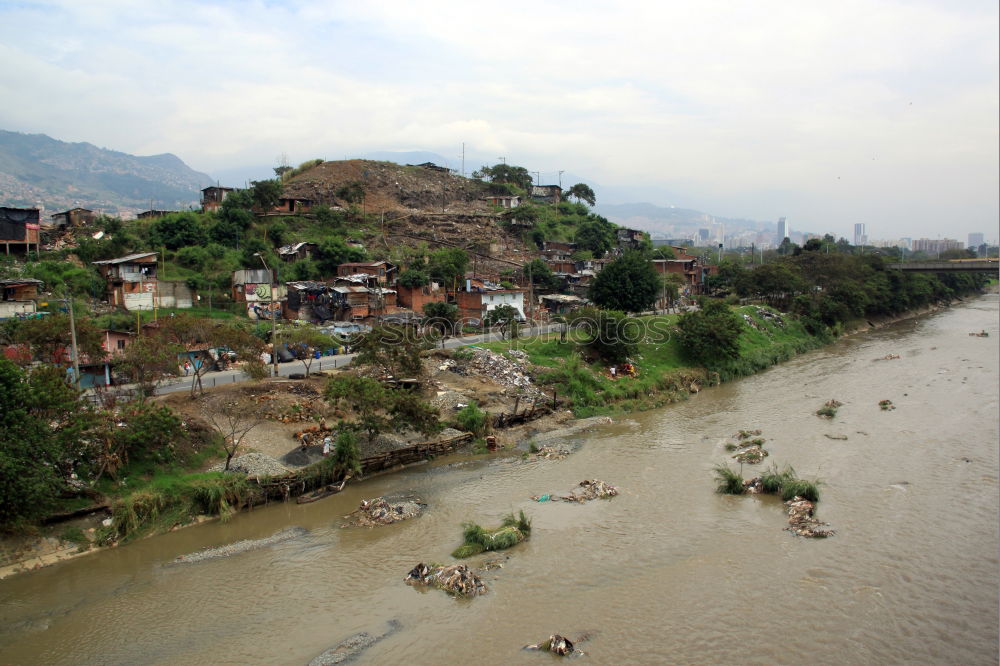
point(884, 113)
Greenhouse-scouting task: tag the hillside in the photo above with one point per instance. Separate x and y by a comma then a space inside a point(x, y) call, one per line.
point(37, 170)
point(671, 221)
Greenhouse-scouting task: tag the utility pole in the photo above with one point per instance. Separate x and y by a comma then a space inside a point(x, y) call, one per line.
point(463, 159)
point(274, 319)
point(503, 159)
point(72, 337)
point(560, 179)
point(538, 179)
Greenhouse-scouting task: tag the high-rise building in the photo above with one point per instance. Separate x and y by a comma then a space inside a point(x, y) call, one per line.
point(975, 240)
point(782, 230)
point(860, 235)
point(936, 245)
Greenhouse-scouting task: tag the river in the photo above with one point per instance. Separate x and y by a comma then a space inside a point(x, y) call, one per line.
point(668, 571)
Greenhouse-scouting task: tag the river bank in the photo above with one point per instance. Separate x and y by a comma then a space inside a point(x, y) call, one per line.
point(663, 379)
point(910, 577)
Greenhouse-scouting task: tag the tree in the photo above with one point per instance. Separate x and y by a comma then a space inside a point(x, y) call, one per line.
point(710, 335)
point(672, 283)
point(346, 455)
point(505, 317)
point(203, 335)
point(393, 351)
point(663, 252)
point(505, 174)
point(541, 275)
point(628, 283)
point(378, 408)
point(596, 235)
point(233, 422)
point(147, 361)
point(412, 278)
point(304, 341)
point(178, 230)
point(612, 335)
point(48, 339)
point(448, 265)
point(333, 252)
point(441, 316)
point(582, 192)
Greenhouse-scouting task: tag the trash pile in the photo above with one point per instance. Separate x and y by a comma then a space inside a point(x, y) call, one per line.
point(767, 315)
point(380, 511)
point(889, 357)
point(801, 520)
point(556, 644)
point(589, 489)
point(503, 370)
point(886, 405)
point(749, 447)
point(552, 452)
point(829, 409)
point(456, 579)
point(253, 465)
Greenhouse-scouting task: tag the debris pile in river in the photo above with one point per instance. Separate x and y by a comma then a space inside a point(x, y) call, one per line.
point(829, 409)
point(801, 519)
point(747, 434)
point(552, 452)
point(886, 405)
point(591, 489)
point(889, 357)
point(751, 455)
point(456, 579)
point(380, 511)
point(556, 644)
point(511, 532)
point(749, 447)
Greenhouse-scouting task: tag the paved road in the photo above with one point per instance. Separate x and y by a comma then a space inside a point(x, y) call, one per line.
point(224, 377)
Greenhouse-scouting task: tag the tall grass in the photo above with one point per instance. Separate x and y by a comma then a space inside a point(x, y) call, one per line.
point(512, 531)
point(729, 482)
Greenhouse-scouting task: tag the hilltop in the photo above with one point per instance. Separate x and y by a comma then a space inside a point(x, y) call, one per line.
point(36, 169)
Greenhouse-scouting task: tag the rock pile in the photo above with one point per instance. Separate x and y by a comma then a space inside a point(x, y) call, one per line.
point(380, 511)
point(457, 579)
point(801, 520)
point(503, 370)
point(253, 465)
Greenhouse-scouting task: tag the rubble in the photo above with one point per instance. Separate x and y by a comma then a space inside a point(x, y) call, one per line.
point(751, 455)
point(253, 465)
point(380, 511)
point(551, 452)
point(456, 579)
point(591, 490)
point(556, 644)
point(505, 371)
point(801, 520)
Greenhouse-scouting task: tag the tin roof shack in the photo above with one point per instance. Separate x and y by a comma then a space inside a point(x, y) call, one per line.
point(383, 270)
point(212, 197)
point(561, 303)
point(631, 239)
point(19, 229)
point(297, 251)
point(18, 297)
point(505, 201)
point(259, 290)
point(546, 193)
point(475, 302)
point(345, 300)
point(130, 280)
point(115, 342)
point(292, 206)
point(74, 217)
point(694, 272)
point(153, 214)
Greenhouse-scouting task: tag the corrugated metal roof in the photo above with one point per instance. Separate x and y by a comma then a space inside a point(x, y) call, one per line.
point(126, 258)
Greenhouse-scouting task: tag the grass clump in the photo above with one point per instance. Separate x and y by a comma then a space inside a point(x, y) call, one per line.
point(788, 485)
point(772, 481)
point(829, 410)
point(800, 488)
point(512, 531)
point(729, 482)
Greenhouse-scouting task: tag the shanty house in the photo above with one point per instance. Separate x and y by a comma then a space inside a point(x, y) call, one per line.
point(292, 205)
point(546, 193)
point(18, 297)
point(506, 201)
point(212, 197)
point(130, 280)
point(383, 270)
point(630, 238)
point(474, 305)
point(297, 251)
point(74, 217)
point(19, 229)
point(152, 214)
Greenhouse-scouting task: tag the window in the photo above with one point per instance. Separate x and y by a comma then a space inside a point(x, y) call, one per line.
point(121, 344)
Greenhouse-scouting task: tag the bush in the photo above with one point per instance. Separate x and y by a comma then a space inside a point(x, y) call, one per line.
point(512, 531)
point(729, 482)
point(710, 336)
point(472, 419)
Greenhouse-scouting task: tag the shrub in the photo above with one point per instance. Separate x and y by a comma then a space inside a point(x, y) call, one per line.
point(801, 488)
point(472, 419)
point(512, 531)
point(729, 482)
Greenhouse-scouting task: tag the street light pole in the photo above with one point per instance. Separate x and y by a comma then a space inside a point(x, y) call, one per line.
point(274, 329)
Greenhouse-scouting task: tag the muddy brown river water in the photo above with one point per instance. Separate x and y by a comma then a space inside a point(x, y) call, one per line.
point(667, 572)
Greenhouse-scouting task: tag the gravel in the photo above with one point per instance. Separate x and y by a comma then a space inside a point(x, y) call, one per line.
point(242, 546)
point(253, 465)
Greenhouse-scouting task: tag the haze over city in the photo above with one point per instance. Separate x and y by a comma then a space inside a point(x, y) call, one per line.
point(878, 113)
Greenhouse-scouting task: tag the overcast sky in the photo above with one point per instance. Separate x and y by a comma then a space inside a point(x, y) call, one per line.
point(828, 113)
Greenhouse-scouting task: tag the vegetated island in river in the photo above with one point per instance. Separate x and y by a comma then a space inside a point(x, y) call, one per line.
point(492, 395)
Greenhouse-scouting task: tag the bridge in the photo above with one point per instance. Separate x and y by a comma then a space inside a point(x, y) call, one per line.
point(953, 266)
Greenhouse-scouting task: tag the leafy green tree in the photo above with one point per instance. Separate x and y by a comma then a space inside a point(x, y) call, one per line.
point(333, 252)
point(178, 230)
point(442, 316)
point(48, 339)
point(196, 333)
point(147, 361)
point(541, 275)
point(506, 318)
point(596, 235)
point(79, 281)
point(393, 351)
point(663, 252)
point(304, 341)
point(582, 192)
point(505, 174)
point(377, 408)
point(305, 269)
point(628, 283)
point(412, 278)
point(346, 454)
point(710, 335)
point(612, 335)
point(265, 193)
point(448, 265)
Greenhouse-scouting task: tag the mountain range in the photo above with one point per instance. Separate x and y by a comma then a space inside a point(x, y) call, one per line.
point(37, 170)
